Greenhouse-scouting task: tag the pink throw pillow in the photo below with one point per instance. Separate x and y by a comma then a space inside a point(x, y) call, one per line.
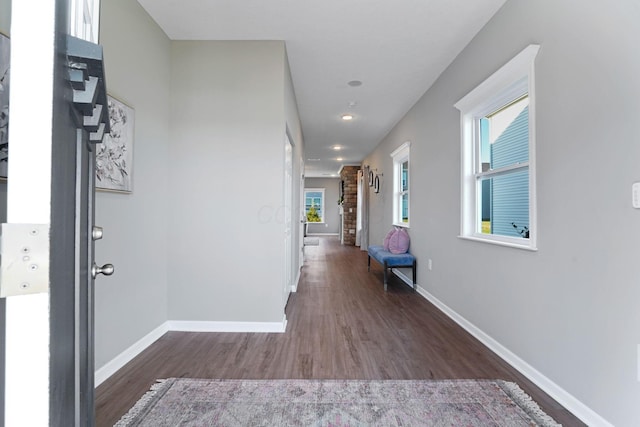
point(385, 242)
point(399, 242)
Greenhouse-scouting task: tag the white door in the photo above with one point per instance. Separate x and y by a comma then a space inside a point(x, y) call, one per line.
point(288, 209)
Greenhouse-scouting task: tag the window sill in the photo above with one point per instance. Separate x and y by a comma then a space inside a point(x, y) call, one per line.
point(401, 224)
point(508, 244)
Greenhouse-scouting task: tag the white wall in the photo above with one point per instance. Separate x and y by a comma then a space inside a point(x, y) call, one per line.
point(570, 309)
point(332, 212)
point(133, 301)
point(226, 181)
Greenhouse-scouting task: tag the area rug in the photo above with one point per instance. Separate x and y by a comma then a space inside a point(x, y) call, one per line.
point(197, 402)
point(311, 241)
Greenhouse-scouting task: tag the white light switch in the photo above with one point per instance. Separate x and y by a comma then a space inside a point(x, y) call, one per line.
point(635, 194)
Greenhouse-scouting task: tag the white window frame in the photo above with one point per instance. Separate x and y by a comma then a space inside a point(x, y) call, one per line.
point(399, 156)
point(322, 207)
point(514, 79)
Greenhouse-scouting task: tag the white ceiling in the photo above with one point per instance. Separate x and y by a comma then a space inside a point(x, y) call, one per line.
point(397, 48)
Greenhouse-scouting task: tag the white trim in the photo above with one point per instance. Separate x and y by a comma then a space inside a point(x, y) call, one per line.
point(210, 326)
point(296, 282)
point(508, 75)
point(320, 234)
point(27, 321)
point(510, 242)
point(129, 354)
point(573, 405)
point(399, 156)
point(402, 276)
point(512, 80)
point(399, 151)
point(323, 204)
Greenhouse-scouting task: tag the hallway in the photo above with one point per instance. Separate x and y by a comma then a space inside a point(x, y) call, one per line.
point(341, 324)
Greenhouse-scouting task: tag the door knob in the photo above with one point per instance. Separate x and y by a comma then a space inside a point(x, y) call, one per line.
point(96, 233)
point(106, 269)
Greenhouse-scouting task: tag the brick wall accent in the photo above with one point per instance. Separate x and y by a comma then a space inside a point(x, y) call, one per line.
point(349, 175)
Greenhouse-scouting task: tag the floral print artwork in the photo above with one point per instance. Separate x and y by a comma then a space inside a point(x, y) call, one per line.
point(114, 157)
point(4, 104)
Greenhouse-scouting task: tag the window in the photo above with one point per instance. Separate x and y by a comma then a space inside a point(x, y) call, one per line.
point(498, 156)
point(314, 204)
point(84, 19)
point(401, 185)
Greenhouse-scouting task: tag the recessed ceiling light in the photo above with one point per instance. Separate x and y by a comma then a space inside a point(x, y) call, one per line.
point(313, 160)
point(347, 117)
point(339, 159)
point(354, 83)
point(337, 147)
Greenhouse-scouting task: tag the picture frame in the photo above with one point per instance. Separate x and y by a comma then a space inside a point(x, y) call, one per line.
point(5, 57)
point(114, 156)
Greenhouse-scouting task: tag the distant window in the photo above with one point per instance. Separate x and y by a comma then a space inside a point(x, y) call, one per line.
point(498, 162)
point(314, 204)
point(401, 185)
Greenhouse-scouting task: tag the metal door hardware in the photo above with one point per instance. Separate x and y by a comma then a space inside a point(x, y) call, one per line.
point(106, 269)
point(24, 259)
point(97, 233)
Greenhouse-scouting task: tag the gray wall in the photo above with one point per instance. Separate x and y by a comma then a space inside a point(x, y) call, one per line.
point(133, 301)
point(332, 210)
point(228, 118)
point(570, 309)
point(5, 16)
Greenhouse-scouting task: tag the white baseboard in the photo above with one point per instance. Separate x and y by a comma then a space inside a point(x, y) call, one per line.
point(126, 356)
point(322, 234)
point(294, 287)
point(573, 405)
point(130, 353)
point(206, 326)
point(402, 276)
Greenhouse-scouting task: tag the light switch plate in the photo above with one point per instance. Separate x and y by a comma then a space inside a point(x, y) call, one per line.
point(635, 194)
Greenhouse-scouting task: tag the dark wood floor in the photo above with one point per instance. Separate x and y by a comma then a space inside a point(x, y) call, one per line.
point(342, 325)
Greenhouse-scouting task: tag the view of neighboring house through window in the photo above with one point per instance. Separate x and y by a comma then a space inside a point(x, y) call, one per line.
point(401, 185)
point(498, 161)
point(314, 204)
point(503, 174)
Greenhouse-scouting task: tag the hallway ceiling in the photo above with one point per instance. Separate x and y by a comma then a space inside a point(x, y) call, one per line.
point(397, 49)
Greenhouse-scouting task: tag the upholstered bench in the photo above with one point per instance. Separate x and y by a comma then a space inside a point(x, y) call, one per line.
point(390, 260)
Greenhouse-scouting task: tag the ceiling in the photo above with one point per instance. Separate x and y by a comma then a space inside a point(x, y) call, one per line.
point(397, 49)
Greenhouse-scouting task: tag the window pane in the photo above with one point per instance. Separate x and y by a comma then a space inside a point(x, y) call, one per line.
point(405, 208)
point(504, 204)
point(504, 136)
point(313, 205)
point(405, 176)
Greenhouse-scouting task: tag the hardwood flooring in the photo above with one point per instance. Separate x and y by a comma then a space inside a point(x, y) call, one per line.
point(341, 324)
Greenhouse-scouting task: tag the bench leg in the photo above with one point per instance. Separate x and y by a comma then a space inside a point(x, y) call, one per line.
point(385, 275)
point(415, 283)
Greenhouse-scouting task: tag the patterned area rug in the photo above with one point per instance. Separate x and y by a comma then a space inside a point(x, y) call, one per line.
point(193, 402)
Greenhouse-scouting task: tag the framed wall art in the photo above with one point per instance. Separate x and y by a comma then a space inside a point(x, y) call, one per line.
point(5, 57)
point(114, 157)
